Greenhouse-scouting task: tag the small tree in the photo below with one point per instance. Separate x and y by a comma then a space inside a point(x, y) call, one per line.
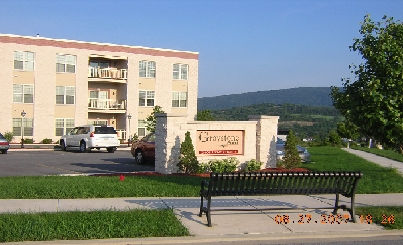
point(151, 120)
point(291, 156)
point(188, 161)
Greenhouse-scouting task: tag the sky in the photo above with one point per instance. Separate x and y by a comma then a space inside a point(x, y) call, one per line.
point(243, 45)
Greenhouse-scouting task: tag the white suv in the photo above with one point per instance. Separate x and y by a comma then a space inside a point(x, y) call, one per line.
point(89, 137)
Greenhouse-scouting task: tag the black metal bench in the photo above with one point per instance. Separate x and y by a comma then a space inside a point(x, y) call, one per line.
point(283, 183)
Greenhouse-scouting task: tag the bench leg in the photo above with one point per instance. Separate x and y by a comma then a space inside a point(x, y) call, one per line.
point(208, 212)
point(208, 218)
point(336, 204)
point(352, 208)
point(201, 206)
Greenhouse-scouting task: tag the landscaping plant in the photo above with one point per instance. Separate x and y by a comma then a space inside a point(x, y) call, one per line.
point(224, 165)
point(47, 141)
point(188, 162)
point(253, 165)
point(9, 136)
point(291, 156)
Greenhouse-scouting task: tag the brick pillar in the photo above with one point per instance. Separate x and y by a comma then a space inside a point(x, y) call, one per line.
point(169, 134)
point(266, 137)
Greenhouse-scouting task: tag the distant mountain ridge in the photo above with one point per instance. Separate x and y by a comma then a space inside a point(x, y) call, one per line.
point(310, 96)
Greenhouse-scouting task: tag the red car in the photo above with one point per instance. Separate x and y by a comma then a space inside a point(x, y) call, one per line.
point(143, 150)
point(4, 145)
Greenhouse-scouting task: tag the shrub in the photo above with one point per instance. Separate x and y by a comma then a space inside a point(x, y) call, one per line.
point(291, 156)
point(28, 141)
point(280, 164)
point(9, 136)
point(187, 160)
point(253, 165)
point(204, 168)
point(47, 141)
point(224, 165)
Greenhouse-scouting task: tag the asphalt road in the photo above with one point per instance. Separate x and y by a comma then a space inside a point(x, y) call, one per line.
point(38, 163)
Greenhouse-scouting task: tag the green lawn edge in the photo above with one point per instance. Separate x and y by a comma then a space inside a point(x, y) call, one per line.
point(75, 225)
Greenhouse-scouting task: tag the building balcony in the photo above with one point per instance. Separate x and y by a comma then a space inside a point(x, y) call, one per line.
point(106, 105)
point(107, 74)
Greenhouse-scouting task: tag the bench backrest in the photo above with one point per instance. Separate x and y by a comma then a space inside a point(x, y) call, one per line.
point(297, 183)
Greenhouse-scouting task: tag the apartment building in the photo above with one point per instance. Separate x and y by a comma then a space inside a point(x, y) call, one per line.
point(48, 86)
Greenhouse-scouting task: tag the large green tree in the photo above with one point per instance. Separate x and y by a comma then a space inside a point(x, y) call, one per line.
point(373, 100)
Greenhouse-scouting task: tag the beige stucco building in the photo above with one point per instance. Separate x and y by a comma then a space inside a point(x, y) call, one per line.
point(60, 84)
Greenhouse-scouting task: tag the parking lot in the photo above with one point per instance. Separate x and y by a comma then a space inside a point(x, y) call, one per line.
point(50, 162)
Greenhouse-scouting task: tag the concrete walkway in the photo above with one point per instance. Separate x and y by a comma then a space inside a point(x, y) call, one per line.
point(233, 226)
point(385, 162)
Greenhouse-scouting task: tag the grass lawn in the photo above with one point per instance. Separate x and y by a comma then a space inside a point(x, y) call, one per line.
point(54, 187)
point(75, 225)
point(388, 217)
point(376, 179)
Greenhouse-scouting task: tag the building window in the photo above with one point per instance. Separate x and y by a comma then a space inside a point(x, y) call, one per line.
point(180, 71)
point(23, 93)
point(146, 68)
point(64, 125)
point(146, 98)
point(28, 126)
point(66, 63)
point(179, 99)
point(65, 95)
point(24, 60)
point(141, 128)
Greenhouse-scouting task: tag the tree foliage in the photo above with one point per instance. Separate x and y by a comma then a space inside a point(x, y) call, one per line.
point(291, 156)
point(205, 115)
point(334, 138)
point(188, 161)
point(311, 96)
point(151, 120)
point(373, 100)
point(348, 130)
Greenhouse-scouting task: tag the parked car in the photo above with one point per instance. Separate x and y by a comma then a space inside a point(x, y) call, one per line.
point(4, 144)
point(303, 152)
point(89, 137)
point(143, 150)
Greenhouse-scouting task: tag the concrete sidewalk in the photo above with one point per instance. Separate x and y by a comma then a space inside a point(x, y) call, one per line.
point(383, 161)
point(229, 223)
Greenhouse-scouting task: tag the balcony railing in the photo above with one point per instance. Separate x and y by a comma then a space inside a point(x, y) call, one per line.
point(111, 73)
point(106, 104)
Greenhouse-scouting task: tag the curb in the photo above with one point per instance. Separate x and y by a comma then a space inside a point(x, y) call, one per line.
point(290, 237)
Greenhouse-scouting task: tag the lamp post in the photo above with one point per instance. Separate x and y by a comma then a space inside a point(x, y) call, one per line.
point(128, 130)
point(23, 113)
